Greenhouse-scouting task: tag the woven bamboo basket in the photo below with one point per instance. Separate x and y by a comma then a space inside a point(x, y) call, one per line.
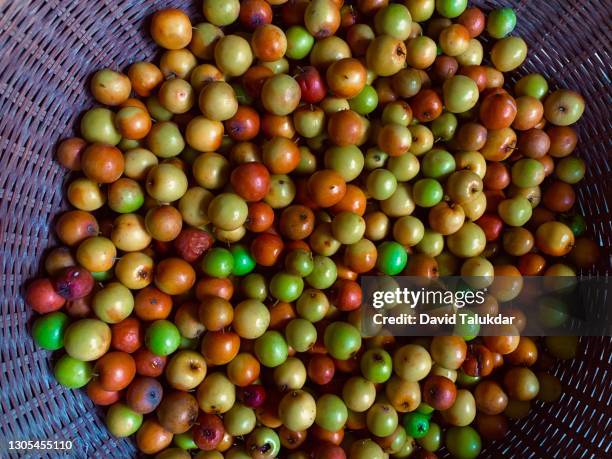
point(48, 50)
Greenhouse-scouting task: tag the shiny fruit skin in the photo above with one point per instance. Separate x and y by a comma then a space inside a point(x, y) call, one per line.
point(251, 181)
point(280, 155)
point(312, 85)
point(439, 392)
point(102, 397)
point(554, 239)
point(149, 364)
point(174, 276)
point(260, 217)
point(208, 431)
point(127, 335)
point(254, 78)
point(87, 339)
point(299, 42)
point(498, 111)
point(460, 94)
point(151, 438)
point(463, 442)
point(394, 139)
point(115, 370)
point(451, 8)
point(448, 351)
point(74, 226)
point(280, 94)
point(563, 140)
point(219, 348)
point(346, 78)
point(563, 107)
point(48, 330)
point(244, 125)
point(269, 43)
point(42, 296)
point(392, 258)
point(178, 411)
point(122, 421)
point(217, 101)
point(110, 88)
point(501, 22)
point(559, 197)
point(521, 384)
point(346, 127)
point(267, 248)
point(171, 29)
point(243, 370)
point(529, 113)
point(454, 40)
point(342, 340)
point(321, 369)
point(322, 18)
point(144, 77)
point(426, 106)
point(233, 55)
point(492, 226)
point(162, 338)
point(420, 52)
point(69, 153)
point(473, 19)
point(327, 187)
point(102, 163)
point(72, 373)
point(271, 349)
point(386, 55)
point(151, 303)
point(478, 362)
point(508, 53)
point(98, 125)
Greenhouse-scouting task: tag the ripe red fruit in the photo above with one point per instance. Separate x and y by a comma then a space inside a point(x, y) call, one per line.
point(127, 335)
point(115, 370)
point(252, 396)
point(149, 364)
point(42, 297)
point(426, 105)
point(346, 295)
point(311, 84)
point(73, 282)
point(321, 369)
point(260, 217)
point(439, 392)
point(492, 226)
point(192, 243)
point(266, 249)
point(208, 431)
point(498, 110)
point(244, 125)
point(254, 13)
point(100, 396)
point(479, 361)
point(329, 451)
point(251, 181)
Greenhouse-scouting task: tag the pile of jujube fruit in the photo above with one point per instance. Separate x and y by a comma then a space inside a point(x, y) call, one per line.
point(228, 198)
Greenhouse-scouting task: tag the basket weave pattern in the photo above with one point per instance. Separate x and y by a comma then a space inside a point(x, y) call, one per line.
point(48, 50)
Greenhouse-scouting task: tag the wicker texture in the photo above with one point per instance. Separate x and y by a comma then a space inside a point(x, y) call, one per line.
point(49, 48)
